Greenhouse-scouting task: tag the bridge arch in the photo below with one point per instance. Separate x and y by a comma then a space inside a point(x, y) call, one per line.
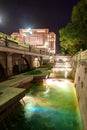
point(2, 73)
point(21, 65)
point(27, 66)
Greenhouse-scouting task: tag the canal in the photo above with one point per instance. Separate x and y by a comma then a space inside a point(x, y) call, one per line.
point(48, 105)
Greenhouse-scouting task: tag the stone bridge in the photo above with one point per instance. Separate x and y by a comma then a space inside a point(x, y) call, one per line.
point(17, 58)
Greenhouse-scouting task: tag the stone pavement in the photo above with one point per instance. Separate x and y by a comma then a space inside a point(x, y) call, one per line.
point(9, 93)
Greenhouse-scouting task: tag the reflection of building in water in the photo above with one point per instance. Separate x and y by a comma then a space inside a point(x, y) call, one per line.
point(36, 63)
point(51, 59)
point(66, 74)
point(41, 38)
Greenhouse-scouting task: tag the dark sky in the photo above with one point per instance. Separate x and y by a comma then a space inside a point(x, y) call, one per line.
point(52, 14)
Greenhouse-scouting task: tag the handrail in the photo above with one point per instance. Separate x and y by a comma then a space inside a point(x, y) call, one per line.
point(8, 41)
point(81, 56)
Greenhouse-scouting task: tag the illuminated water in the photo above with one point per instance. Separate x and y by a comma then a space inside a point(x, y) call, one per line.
point(49, 106)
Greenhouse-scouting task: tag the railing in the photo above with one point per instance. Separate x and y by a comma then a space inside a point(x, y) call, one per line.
point(81, 56)
point(19, 46)
point(7, 41)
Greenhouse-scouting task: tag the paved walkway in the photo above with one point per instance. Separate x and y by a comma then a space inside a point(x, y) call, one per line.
point(18, 79)
point(9, 90)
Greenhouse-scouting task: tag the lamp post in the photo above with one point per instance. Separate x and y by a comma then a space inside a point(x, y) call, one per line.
point(29, 30)
point(24, 37)
point(27, 33)
point(0, 20)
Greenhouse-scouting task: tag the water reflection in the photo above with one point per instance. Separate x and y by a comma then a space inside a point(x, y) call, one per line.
point(62, 70)
point(51, 106)
point(54, 105)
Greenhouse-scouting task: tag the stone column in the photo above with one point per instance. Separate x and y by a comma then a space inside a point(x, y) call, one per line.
point(9, 64)
point(41, 61)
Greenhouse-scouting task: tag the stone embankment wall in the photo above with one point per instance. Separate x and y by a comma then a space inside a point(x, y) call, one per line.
point(81, 89)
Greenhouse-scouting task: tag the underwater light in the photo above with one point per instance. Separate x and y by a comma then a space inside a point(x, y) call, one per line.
point(63, 83)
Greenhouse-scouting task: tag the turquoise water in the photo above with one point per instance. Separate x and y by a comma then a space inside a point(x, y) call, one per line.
point(51, 105)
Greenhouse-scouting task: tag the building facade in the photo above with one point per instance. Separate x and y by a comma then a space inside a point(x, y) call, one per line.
point(40, 38)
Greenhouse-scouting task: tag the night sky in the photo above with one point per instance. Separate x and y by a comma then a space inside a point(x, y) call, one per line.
point(52, 14)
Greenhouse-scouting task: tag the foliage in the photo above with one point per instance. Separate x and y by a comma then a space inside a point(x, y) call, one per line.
point(48, 66)
point(79, 13)
point(73, 36)
point(1, 93)
point(34, 72)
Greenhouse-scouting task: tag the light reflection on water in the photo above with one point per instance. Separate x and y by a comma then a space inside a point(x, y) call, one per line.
point(56, 106)
point(52, 106)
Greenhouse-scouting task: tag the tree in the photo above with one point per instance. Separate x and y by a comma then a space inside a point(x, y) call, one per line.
point(79, 13)
point(73, 36)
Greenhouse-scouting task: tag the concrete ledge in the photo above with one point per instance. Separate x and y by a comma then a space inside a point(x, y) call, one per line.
point(21, 83)
point(11, 95)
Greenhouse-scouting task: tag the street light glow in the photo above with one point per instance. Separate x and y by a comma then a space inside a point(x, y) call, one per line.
point(1, 19)
point(29, 30)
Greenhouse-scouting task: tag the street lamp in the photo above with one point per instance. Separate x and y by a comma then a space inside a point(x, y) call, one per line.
point(26, 35)
point(24, 38)
point(29, 30)
point(0, 20)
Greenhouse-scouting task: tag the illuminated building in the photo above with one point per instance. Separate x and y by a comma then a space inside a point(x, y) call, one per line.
point(40, 38)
